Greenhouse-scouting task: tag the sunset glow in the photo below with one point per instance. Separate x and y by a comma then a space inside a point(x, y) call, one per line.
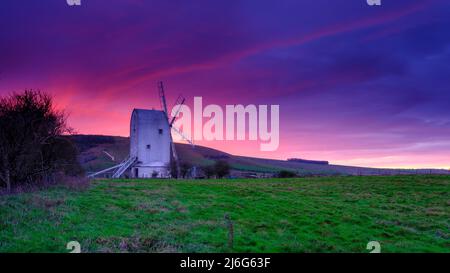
point(357, 85)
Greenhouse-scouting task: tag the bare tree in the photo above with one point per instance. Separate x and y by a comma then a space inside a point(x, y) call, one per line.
point(32, 142)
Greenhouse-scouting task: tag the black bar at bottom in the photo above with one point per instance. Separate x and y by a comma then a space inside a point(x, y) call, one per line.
point(225, 262)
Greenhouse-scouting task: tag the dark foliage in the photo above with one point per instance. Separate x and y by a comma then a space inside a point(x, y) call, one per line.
point(32, 145)
point(221, 168)
point(185, 169)
point(286, 174)
point(173, 168)
point(208, 171)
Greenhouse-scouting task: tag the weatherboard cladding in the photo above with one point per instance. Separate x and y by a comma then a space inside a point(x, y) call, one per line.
point(149, 140)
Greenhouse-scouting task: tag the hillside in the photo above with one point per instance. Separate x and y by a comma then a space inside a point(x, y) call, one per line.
point(94, 156)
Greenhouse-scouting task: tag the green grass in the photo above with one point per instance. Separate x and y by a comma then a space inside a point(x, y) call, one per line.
point(336, 214)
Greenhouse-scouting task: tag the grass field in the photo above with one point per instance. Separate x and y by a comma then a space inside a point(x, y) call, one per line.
point(335, 214)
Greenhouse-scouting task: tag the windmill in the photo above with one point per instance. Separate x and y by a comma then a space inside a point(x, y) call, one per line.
point(179, 102)
point(151, 143)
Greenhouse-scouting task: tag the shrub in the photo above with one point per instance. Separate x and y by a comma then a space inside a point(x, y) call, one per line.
point(221, 168)
point(286, 174)
point(32, 145)
point(172, 166)
point(208, 171)
point(185, 168)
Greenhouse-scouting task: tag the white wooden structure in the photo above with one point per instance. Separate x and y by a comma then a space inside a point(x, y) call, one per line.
point(149, 144)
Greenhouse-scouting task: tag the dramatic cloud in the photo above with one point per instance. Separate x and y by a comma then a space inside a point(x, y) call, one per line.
point(356, 84)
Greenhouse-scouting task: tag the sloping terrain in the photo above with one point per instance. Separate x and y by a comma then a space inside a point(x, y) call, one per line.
point(95, 152)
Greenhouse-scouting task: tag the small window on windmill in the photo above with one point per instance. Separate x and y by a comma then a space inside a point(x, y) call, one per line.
point(160, 131)
point(148, 147)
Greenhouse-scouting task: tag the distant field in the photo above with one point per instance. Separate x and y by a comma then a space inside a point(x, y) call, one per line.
point(336, 214)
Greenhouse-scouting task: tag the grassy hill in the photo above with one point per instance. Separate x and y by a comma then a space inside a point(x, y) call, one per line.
point(327, 214)
point(93, 158)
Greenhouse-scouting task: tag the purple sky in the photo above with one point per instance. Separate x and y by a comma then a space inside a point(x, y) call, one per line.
point(356, 84)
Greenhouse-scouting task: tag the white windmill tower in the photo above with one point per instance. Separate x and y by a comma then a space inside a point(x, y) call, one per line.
point(151, 143)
